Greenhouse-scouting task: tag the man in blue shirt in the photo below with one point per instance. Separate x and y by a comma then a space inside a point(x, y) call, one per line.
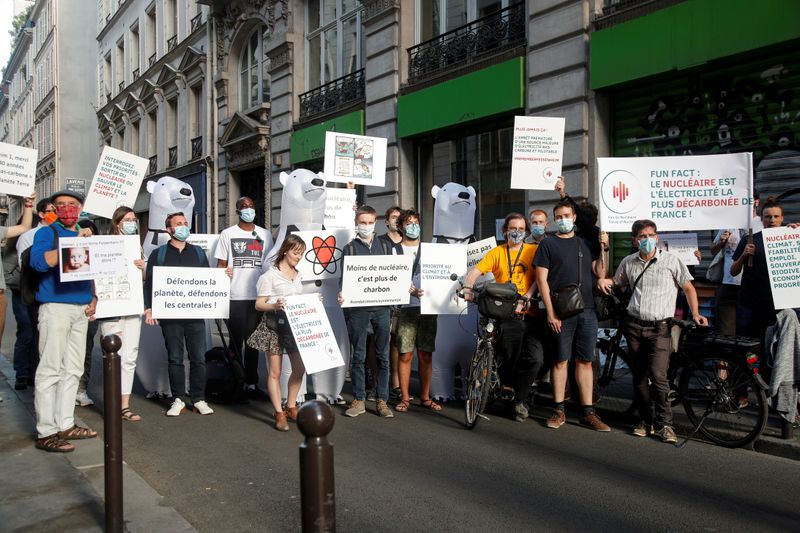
point(64, 315)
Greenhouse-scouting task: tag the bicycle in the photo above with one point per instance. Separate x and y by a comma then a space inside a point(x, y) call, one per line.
point(712, 376)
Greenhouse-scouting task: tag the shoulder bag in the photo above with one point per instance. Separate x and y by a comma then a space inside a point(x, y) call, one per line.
point(568, 300)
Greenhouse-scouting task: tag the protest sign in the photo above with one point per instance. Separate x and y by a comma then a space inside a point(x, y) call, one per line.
point(313, 333)
point(538, 152)
point(681, 244)
point(376, 280)
point(439, 261)
point(195, 292)
point(206, 241)
point(782, 246)
point(339, 208)
point(476, 251)
point(17, 169)
point(87, 258)
point(323, 256)
point(120, 294)
point(355, 158)
point(116, 182)
point(677, 193)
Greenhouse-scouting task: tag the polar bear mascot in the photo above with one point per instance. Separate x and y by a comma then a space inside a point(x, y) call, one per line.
point(453, 223)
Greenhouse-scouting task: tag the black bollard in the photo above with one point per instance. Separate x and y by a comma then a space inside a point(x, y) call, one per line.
point(112, 423)
point(318, 499)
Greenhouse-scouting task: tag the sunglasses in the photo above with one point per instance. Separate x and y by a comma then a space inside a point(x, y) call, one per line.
point(258, 239)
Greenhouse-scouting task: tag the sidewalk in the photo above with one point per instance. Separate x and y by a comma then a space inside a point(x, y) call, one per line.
point(62, 492)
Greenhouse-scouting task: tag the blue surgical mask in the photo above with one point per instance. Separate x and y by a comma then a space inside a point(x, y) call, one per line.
point(565, 225)
point(537, 230)
point(412, 231)
point(181, 233)
point(515, 236)
point(248, 214)
point(129, 227)
point(646, 246)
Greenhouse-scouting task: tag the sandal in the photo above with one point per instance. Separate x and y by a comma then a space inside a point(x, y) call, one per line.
point(54, 444)
point(403, 406)
point(76, 433)
point(430, 404)
point(129, 415)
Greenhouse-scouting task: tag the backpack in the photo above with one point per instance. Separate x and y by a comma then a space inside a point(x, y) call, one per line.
point(225, 374)
point(29, 277)
point(162, 254)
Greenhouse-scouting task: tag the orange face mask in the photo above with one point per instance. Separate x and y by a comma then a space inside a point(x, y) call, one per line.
point(50, 217)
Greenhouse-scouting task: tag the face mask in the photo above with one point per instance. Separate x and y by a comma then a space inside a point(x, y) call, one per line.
point(565, 225)
point(68, 214)
point(646, 246)
point(365, 231)
point(537, 230)
point(181, 233)
point(129, 227)
point(515, 236)
point(247, 215)
point(412, 231)
point(50, 217)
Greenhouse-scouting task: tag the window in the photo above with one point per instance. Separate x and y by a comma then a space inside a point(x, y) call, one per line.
point(134, 136)
point(120, 59)
point(253, 79)
point(335, 41)
point(134, 52)
point(150, 35)
point(152, 133)
point(172, 122)
point(435, 17)
point(171, 16)
point(107, 82)
point(196, 118)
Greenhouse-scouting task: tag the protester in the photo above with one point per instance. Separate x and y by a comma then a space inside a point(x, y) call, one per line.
point(191, 331)
point(64, 313)
point(538, 218)
point(565, 264)
point(656, 274)
point(520, 344)
point(274, 335)
point(726, 241)
point(242, 248)
point(11, 232)
point(127, 328)
point(414, 330)
point(359, 318)
point(392, 237)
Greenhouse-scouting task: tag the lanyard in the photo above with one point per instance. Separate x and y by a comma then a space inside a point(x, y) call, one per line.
point(511, 268)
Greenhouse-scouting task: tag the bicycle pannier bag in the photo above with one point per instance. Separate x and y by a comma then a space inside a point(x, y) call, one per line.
point(498, 300)
point(567, 301)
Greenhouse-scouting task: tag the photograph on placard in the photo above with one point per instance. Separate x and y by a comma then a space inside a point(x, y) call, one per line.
point(88, 258)
point(355, 158)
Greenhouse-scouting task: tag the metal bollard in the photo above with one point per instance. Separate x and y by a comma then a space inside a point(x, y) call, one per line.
point(318, 499)
point(112, 424)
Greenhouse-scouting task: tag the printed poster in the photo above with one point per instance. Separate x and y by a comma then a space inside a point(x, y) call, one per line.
point(681, 244)
point(313, 333)
point(376, 280)
point(701, 192)
point(190, 292)
point(323, 256)
point(782, 246)
point(17, 169)
point(355, 158)
point(340, 208)
point(538, 152)
point(120, 294)
point(88, 258)
point(476, 251)
point(116, 182)
point(438, 262)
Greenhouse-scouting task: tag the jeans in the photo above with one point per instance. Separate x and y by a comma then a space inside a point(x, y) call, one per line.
point(358, 320)
point(26, 347)
point(91, 332)
point(521, 349)
point(649, 351)
point(193, 333)
point(243, 321)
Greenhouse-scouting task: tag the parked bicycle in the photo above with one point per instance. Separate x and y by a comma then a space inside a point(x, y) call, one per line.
point(713, 376)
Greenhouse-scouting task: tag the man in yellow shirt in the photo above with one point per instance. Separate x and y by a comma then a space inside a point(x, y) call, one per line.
point(519, 342)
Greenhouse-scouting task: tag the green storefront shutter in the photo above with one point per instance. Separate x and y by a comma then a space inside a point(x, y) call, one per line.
point(309, 143)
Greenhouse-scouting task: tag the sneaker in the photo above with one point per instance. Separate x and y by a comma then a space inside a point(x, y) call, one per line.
point(82, 399)
point(356, 408)
point(371, 395)
point(642, 429)
point(383, 410)
point(520, 412)
point(176, 408)
point(556, 420)
point(396, 394)
point(202, 408)
point(593, 421)
point(667, 434)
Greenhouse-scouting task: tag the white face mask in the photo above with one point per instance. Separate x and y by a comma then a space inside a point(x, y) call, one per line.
point(365, 231)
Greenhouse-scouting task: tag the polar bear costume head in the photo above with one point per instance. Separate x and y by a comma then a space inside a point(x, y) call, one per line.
point(303, 198)
point(169, 195)
point(453, 213)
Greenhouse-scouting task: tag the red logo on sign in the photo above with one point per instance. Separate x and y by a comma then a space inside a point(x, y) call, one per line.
point(620, 191)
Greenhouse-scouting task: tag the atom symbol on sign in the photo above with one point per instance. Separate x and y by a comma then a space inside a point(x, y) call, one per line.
point(324, 256)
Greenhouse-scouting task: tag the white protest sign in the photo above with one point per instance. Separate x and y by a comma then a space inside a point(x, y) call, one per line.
point(538, 152)
point(116, 182)
point(355, 158)
point(438, 261)
point(121, 294)
point(476, 251)
point(677, 193)
point(87, 258)
point(782, 246)
point(17, 169)
point(376, 280)
point(195, 292)
point(681, 244)
point(313, 333)
point(206, 241)
point(323, 256)
point(339, 212)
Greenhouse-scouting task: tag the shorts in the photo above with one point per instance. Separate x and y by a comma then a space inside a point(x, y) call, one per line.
point(415, 330)
point(578, 337)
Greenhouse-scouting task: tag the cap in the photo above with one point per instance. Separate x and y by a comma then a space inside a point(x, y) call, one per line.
point(72, 194)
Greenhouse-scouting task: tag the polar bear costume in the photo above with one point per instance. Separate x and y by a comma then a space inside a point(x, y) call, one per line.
point(453, 223)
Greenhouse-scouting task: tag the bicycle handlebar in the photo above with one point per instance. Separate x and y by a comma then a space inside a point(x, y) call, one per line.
point(477, 291)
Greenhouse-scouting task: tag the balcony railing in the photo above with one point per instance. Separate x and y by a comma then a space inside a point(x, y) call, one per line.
point(153, 164)
point(172, 42)
point(334, 95)
point(196, 20)
point(197, 147)
point(617, 11)
point(493, 33)
point(173, 156)
point(151, 60)
point(136, 74)
point(121, 86)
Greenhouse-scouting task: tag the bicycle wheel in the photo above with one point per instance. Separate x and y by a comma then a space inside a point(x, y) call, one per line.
point(614, 379)
point(478, 383)
point(725, 396)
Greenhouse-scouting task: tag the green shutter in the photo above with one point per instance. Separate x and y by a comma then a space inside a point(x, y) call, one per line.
point(309, 143)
